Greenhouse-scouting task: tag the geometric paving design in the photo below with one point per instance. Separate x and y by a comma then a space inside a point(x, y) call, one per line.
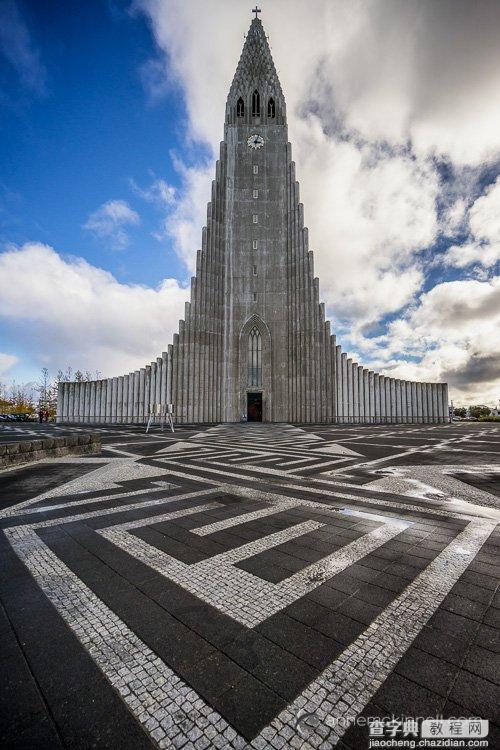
point(250, 586)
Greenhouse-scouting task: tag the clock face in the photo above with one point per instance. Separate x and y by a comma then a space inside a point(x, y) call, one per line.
point(255, 141)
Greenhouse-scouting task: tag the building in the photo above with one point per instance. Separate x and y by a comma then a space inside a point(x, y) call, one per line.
point(254, 342)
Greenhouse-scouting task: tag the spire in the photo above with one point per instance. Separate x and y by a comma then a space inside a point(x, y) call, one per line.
point(256, 72)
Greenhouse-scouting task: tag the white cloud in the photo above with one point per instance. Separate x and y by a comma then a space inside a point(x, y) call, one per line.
point(453, 332)
point(483, 246)
point(484, 216)
point(18, 48)
point(79, 315)
point(6, 362)
point(159, 192)
point(109, 220)
point(462, 256)
point(184, 221)
point(370, 215)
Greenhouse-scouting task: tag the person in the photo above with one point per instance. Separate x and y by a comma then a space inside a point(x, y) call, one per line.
point(46, 415)
point(40, 416)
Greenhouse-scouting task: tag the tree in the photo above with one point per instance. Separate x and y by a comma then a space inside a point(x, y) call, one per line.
point(460, 411)
point(479, 411)
point(20, 400)
point(43, 388)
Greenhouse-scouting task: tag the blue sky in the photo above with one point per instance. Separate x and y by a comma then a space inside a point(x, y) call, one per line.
point(68, 146)
point(111, 114)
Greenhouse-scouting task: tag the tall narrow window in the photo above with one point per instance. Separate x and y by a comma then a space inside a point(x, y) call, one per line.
point(255, 193)
point(271, 109)
point(254, 358)
point(256, 169)
point(240, 108)
point(255, 104)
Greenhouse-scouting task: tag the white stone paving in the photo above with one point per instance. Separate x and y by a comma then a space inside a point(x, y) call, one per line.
point(344, 689)
point(172, 713)
point(169, 709)
point(243, 596)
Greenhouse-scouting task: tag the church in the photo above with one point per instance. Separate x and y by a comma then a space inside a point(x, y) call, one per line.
point(254, 343)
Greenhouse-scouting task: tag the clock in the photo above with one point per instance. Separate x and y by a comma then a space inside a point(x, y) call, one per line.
point(255, 141)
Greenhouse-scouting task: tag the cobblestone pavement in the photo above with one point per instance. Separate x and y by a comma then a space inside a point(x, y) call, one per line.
point(249, 586)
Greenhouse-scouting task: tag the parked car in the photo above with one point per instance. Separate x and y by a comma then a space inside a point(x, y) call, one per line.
point(21, 416)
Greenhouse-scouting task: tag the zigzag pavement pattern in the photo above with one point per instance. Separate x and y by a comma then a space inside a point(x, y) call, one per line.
point(236, 587)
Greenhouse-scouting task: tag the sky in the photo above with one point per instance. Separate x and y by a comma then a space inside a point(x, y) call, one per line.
point(111, 114)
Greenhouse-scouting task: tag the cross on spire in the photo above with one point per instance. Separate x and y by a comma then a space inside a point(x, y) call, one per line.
point(256, 10)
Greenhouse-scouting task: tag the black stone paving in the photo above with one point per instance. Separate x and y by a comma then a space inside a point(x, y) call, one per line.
point(54, 695)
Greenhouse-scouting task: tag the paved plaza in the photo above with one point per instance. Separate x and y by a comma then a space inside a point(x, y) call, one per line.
point(249, 586)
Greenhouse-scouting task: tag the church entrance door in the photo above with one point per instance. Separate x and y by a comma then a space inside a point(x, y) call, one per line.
point(254, 407)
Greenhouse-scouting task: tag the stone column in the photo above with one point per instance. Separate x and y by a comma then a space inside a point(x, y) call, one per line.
point(78, 404)
point(361, 394)
point(88, 401)
point(71, 402)
point(440, 405)
point(109, 400)
point(135, 417)
point(393, 400)
point(430, 406)
point(112, 413)
point(104, 399)
point(97, 413)
point(163, 383)
point(445, 403)
point(381, 380)
point(338, 376)
point(125, 415)
point(425, 413)
point(92, 401)
point(413, 397)
point(418, 389)
point(170, 375)
point(131, 397)
point(404, 409)
point(59, 403)
point(349, 391)
point(81, 402)
point(142, 381)
point(355, 393)
point(119, 399)
point(147, 389)
point(371, 396)
point(366, 396)
point(345, 391)
point(397, 400)
point(159, 378)
point(387, 400)
point(376, 390)
point(435, 407)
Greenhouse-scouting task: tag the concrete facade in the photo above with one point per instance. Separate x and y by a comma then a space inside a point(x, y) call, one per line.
point(254, 341)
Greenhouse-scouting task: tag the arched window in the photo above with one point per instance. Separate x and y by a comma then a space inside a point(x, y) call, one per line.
point(271, 109)
point(255, 104)
point(240, 108)
point(254, 358)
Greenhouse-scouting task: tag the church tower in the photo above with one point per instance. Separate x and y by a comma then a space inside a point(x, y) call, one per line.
point(254, 343)
point(255, 320)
